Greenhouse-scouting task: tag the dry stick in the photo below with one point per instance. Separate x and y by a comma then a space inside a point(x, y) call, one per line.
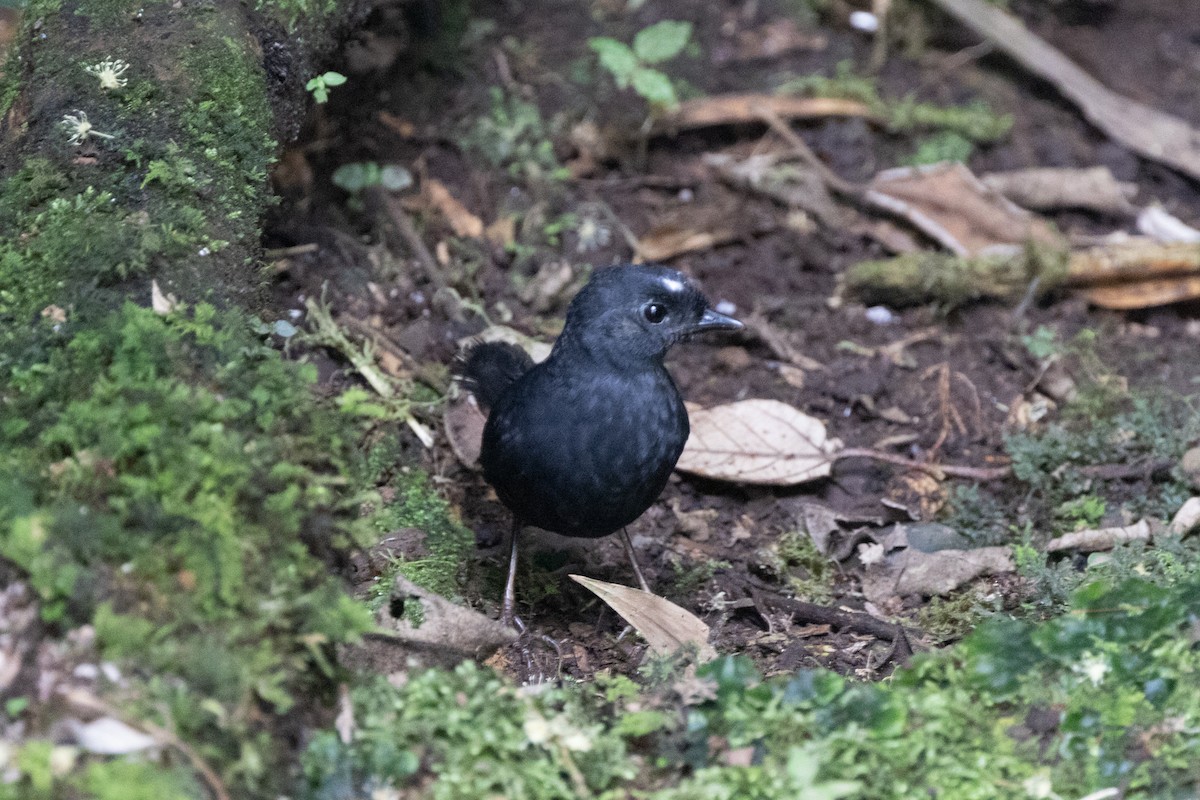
point(864, 197)
point(1151, 133)
point(1139, 469)
point(855, 621)
point(937, 470)
point(408, 230)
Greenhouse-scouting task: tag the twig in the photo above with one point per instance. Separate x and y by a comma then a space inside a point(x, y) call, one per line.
point(805, 153)
point(1138, 469)
point(408, 231)
point(937, 470)
point(855, 621)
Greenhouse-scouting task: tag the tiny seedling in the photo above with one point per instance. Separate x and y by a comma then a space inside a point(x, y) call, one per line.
point(320, 85)
point(632, 66)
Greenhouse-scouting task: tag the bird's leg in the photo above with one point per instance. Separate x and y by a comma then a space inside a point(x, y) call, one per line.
point(637, 571)
point(508, 607)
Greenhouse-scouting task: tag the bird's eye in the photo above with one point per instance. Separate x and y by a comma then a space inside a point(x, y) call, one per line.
point(655, 312)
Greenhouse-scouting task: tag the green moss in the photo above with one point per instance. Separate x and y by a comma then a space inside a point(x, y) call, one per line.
point(809, 573)
point(1116, 673)
point(108, 14)
point(477, 734)
point(448, 541)
point(171, 477)
point(974, 122)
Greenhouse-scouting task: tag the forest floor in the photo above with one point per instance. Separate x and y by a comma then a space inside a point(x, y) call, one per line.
point(532, 167)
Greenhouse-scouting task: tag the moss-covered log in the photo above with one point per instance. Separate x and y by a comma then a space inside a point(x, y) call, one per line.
point(135, 143)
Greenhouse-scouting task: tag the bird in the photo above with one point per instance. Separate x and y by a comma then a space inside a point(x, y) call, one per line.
point(583, 443)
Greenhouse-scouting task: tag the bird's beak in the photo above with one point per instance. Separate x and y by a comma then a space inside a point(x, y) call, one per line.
point(712, 321)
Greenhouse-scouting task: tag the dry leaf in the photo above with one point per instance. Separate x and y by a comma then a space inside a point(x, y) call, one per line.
point(773, 40)
point(665, 626)
point(734, 109)
point(911, 571)
point(109, 736)
point(918, 494)
point(759, 442)
point(950, 205)
point(1044, 188)
point(464, 428)
point(162, 304)
point(666, 242)
point(462, 221)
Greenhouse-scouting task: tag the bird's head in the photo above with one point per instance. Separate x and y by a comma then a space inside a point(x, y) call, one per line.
point(635, 313)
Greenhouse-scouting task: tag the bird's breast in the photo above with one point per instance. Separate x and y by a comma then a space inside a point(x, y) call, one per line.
point(584, 452)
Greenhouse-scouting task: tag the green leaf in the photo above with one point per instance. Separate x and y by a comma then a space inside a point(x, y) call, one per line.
point(333, 78)
point(616, 57)
point(655, 87)
point(662, 41)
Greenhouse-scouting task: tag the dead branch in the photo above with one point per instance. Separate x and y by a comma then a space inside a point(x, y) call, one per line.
point(1148, 132)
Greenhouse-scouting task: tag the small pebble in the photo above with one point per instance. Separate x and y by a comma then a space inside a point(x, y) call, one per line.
point(726, 307)
point(880, 315)
point(864, 21)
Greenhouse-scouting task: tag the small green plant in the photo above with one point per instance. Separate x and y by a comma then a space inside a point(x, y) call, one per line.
point(321, 84)
point(1081, 512)
point(942, 146)
point(359, 175)
point(634, 66)
point(514, 135)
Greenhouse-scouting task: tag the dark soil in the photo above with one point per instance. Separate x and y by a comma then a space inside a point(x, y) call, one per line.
point(414, 111)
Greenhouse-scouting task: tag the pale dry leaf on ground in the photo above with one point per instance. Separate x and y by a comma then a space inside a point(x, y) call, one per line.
point(738, 109)
point(665, 626)
point(911, 571)
point(759, 442)
point(950, 205)
point(462, 221)
point(464, 421)
point(111, 737)
point(1044, 188)
point(1163, 227)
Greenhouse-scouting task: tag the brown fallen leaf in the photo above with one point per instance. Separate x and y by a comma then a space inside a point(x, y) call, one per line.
point(1044, 188)
point(734, 109)
point(759, 442)
point(665, 626)
point(771, 41)
point(918, 494)
point(464, 421)
point(950, 205)
point(665, 242)
point(462, 221)
point(911, 571)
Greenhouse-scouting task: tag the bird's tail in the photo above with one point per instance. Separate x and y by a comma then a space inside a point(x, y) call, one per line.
point(487, 369)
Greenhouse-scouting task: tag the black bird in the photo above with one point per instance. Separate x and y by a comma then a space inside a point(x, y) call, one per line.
point(584, 442)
